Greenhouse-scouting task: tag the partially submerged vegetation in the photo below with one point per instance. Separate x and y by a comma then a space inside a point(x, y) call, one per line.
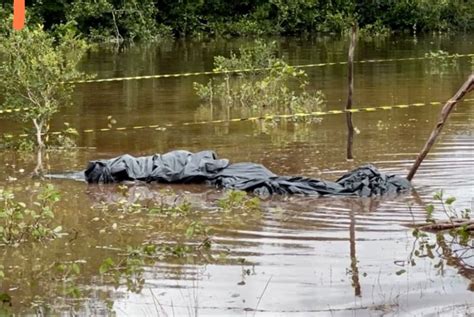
point(62, 279)
point(448, 241)
point(21, 222)
point(257, 82)
point(441, 62)
point(266, 86)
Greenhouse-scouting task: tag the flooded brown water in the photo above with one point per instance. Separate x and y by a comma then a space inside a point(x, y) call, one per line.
point(303, 256)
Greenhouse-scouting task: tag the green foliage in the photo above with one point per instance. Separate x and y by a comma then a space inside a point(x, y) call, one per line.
point(441, 62)
point(451, 245)
point(448, 209)
point(175, 212)
point(69, 273)
point(268, 85)
point(35, 69)
point(104, 20)
point(22, 144)
point(440, 56)
point(170, 204)
point(175, 232)
point(60, 140)
point(20, 223)
point(259, 55)
point(196, 228)
point(118, 20)
point(236, 199)
point(417, 15)
point(375, 30)
point(129, 268)
point(66, 138)
point(5, 298)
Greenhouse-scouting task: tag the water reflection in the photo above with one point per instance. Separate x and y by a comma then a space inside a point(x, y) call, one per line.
point(354, 267)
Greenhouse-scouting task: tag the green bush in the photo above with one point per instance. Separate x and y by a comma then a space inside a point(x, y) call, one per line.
point(267, 85)
point(104, 20)
point(35, 73)
point(118, 20)
point(20, 222)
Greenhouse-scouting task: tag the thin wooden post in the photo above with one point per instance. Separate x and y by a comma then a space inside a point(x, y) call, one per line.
point(350, 83)
point(354, 267)
point(445, 111)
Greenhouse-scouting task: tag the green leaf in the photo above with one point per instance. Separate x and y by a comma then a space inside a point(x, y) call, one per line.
point(429, 208)
point(450, 200)
point(150, 249)
point(61, 267)
point(190, 231)
point(73, 291)
point(401, 272)
point(75, 268)
point(5, 298)
point(106, 265)
point(438, 196)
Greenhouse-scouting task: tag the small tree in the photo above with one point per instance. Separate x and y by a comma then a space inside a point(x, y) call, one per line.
point(36, 69)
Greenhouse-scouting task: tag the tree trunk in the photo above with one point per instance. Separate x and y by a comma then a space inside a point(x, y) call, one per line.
point(39, 124)
point(39, 163)
point(39, 132)
point(118, 36)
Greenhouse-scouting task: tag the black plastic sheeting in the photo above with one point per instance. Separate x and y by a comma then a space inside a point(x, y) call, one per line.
point(205, 167)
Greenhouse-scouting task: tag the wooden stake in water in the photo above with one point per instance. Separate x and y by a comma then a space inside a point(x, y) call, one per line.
point(445, 111)
point(350, 83)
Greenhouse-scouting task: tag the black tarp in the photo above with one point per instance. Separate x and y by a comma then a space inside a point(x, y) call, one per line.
point(206, 167)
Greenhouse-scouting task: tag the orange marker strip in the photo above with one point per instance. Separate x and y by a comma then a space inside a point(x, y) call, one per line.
point(18, 14)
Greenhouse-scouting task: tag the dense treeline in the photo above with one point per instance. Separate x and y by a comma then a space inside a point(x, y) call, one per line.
point(147, 19)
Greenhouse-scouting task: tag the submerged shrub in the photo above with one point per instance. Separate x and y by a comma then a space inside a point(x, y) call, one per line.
point(256, 81)
point(452, 240)
point(237, 199)
point(20, 222)
point(441, 62)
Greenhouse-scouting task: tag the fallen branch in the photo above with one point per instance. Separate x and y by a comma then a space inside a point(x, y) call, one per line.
point(448, 225)
point(447, 108)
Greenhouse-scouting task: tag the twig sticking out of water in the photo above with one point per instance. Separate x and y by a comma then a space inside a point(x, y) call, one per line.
point(261, 295)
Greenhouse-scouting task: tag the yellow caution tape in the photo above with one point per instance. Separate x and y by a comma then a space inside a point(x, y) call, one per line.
point(12, 110)
point(102, 80)
point(256, 118)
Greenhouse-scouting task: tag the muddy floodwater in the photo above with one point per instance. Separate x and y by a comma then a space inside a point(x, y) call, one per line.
point(298, 255)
